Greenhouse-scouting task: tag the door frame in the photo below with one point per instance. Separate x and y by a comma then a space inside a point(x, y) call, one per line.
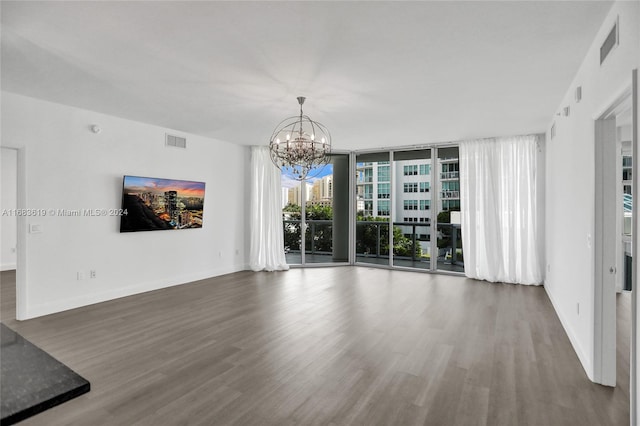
point(22, 233)
point(303, 221)
point(605, 241)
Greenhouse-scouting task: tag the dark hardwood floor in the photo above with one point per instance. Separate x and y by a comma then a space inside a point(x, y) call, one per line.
point(325, 346)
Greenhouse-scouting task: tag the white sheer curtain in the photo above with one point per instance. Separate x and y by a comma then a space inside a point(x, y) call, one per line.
point(267, 239)
point(498, 194)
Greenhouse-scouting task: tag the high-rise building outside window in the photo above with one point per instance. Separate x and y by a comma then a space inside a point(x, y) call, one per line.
point(384, 208)
point(383, 173)
point(411, 187)
point(384, 190)
point(410, 170)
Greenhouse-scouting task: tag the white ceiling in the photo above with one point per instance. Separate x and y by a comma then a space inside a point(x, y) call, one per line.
point(377, 74)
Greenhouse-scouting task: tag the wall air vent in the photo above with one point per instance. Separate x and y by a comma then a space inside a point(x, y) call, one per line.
point(610, 42)
point(175, 141)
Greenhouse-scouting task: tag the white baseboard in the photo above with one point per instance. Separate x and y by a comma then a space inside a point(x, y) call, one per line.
point(585, 360)
point(8, 266)
point(85, 300)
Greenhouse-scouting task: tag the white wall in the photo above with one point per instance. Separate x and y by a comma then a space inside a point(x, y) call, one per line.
point(570, 178)
point(69, 167)
point(8, 227)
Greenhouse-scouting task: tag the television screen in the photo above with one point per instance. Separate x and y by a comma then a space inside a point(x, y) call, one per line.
point(152, 204)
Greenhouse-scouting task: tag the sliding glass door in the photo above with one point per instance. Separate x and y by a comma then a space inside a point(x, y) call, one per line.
point(449, 242)
point(373, 208)
point(409, 201)
point(327, 213)
point(317, 208)
point(403, 207)
point(412, 209)
point(292, 199)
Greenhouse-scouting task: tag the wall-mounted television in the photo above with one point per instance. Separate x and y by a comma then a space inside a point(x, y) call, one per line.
point(152, 204)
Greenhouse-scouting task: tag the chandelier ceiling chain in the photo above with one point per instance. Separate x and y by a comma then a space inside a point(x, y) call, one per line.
point(300, 144)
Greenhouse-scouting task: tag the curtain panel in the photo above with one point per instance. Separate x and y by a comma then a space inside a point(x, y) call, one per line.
point(498, 197)
point(266, 230)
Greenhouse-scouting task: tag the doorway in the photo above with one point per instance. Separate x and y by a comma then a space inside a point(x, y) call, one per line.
point(9, 226)
point(613, 239)
point(315, 214)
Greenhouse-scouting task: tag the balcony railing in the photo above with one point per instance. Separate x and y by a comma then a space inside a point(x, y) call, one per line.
point(445, 195)
point(369, 238)
point(413, 250)
point(372, 241)
point(450, 245)
point(318, 236)
point(361, 166)
point(449, 175)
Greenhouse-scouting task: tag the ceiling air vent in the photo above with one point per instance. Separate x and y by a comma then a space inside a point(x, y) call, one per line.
point(175, 141)
point(610, 42)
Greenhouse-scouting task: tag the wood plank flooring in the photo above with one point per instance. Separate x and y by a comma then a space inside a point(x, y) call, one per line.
point(323, 346)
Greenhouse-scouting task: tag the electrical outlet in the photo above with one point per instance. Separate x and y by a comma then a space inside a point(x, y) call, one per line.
point(92, 273)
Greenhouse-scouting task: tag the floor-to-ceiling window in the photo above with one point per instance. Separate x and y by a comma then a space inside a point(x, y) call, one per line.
point(449, 241)
point(408, 192)
point(406, 205)
point(373, 207)
point(412, 209)
point(319, 208)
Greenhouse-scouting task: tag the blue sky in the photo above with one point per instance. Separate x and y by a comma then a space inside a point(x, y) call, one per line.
point(289, 182)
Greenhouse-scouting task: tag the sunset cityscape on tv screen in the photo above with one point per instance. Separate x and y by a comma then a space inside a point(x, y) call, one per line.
point(151, 204)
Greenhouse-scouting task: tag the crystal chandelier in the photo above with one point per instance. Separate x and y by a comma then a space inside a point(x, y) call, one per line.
point(300, 144)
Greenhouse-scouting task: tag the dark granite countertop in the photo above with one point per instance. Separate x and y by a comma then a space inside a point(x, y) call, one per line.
point(32, 380)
